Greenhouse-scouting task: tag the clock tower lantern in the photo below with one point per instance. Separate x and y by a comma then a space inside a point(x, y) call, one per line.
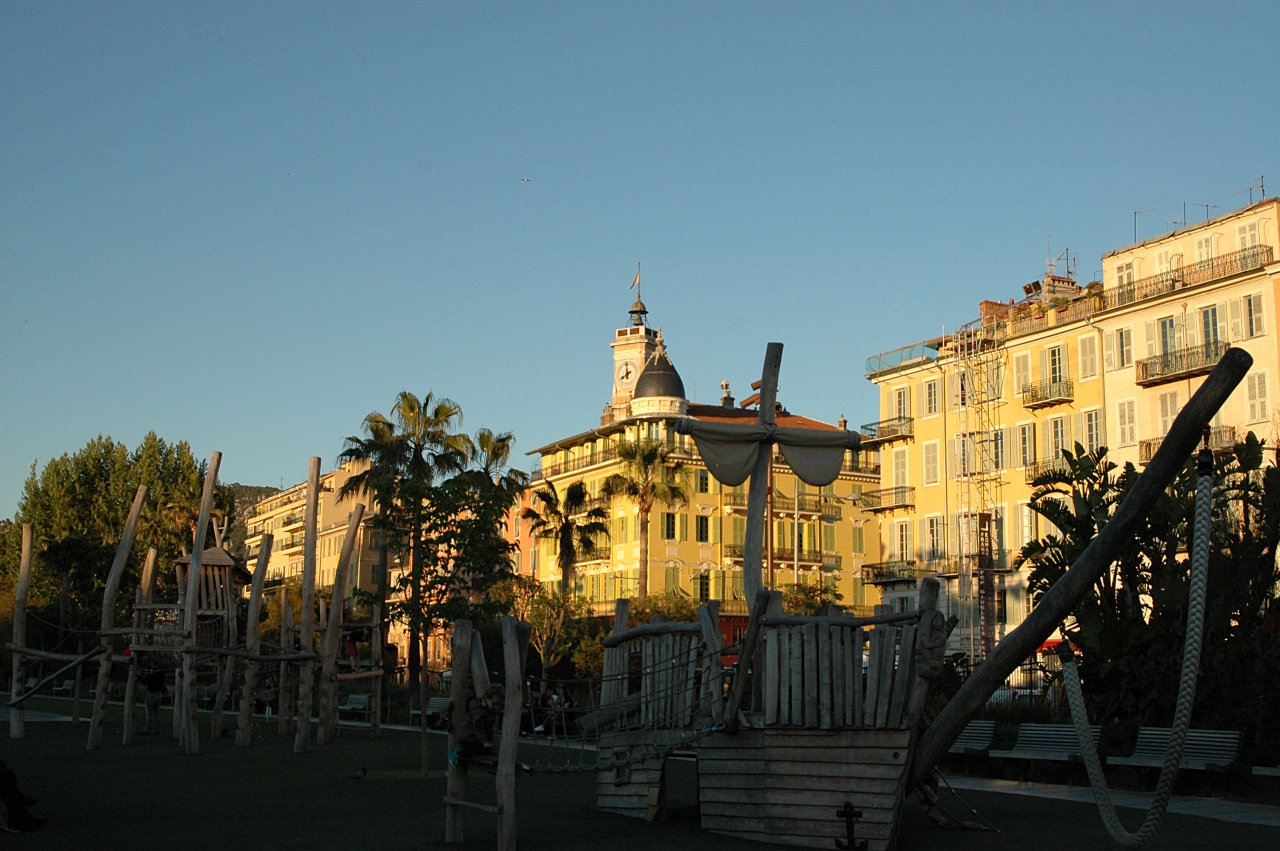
point(633, 347)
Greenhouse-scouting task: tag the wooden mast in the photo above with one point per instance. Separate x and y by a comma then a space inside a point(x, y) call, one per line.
point(306, 669)
point(253, 640)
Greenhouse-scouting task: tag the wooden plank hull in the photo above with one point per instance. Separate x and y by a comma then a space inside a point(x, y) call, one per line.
point(784, 786)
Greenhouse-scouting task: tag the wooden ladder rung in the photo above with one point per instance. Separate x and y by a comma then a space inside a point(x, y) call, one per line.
point(458, 802)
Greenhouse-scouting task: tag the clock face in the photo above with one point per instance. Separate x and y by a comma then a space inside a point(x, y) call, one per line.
point(627, 373)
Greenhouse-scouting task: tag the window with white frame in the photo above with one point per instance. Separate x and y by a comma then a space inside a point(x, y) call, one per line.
point(933, 538)
point(1057, 436)
point(902, 402)
point(1164, 260)
point(930, 452)
point(1092, 430)
point(1124, 274)
point(1255, 324)
point(1027, 524)
point(931, 397)
point(1167, 410)
point(1204, 248)
point(1026, 444)
point(1021, 372)
point(1057, 361)
point(995, 443)
point(1088, 351)
point(902, 540)
point(1209, 328)
point(1247, 236)
point(1256, 386)
point(1126, 422)
point(1124, 347)
point(900, 468)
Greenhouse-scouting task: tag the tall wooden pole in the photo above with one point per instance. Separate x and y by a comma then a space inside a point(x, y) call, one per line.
point(307, 671)
point(190, 728)
point(757, 522)
point(513, 671)
point(109, 617)
point(141, 594)
point(253, 641)
point(18, 715)
point(333, 630)
point(284, 689)
point(456, 783)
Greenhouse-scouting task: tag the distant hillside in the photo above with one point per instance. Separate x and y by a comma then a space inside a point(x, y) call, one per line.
point(246, 497)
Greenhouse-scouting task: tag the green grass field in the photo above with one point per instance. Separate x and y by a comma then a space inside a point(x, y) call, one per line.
point(150, 795)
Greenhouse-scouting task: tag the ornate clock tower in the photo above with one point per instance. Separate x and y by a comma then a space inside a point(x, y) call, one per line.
point(633, 347)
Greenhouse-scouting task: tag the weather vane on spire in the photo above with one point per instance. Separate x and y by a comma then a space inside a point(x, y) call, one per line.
point(635, 283)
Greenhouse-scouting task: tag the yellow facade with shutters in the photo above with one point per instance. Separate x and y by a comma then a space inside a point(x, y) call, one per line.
point(816, 535)
point(968, 419)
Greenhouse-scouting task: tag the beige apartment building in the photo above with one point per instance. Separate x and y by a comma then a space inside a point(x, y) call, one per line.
point(695, 548)
point(969, 419)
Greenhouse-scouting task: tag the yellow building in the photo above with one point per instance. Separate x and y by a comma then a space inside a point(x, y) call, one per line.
point(695, 549)
point(968, 419)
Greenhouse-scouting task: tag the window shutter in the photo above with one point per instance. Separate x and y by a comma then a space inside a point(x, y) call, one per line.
point(1179, 332)
point(1191, 332)
point(910, 553)
point(1109, 344)
point(920, 410)
point(951, 459)
point(1256, 317)
point(1103, 440)
point(1222, 322)
point(1237, 327)
point(716, 528)
point(1046, 451)
point(1044, 365)
point(1077, 434)
point(684, 527)
point(1014, 448)
point(1151, 340)
point(1263, 408)
point(953, 535)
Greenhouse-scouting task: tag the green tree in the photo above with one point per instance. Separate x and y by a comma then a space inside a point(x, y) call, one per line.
point(648, 476)
point(801, 599)
point(571, 523)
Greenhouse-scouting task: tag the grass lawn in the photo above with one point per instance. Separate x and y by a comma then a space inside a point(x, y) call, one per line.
point(150, 795)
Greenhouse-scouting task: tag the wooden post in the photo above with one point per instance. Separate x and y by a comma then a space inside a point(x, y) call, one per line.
point(333, 630)
point(752, 579)
point(284, 690)
point(375, 650)
point(456, 785)
point(712, 662)
point(142, 594)
point(253, 641)
point(507, 744)
point(306, 638)
point(746, 652)
point(232, 612)
point(76, 691)
point(190, 727)
point(18, 715)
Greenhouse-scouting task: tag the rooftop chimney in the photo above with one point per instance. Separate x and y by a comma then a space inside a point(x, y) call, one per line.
point(726, 400)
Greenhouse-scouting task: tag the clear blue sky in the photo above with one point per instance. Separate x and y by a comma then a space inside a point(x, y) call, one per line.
point(249, 225)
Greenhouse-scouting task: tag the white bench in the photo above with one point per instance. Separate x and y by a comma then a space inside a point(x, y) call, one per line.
point(1205, 750)
point(1050, 742)
point(437, 710)
point(66, 688)
point(976, 738)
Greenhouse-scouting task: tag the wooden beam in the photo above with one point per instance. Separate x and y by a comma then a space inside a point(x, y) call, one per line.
point(307, 674)
point(18, 715)
point(333, 631)
point(190, 722)
point(456, 783)
point(645, 629)
point(752, 577)
point(505, 781)
point(75, 662)
point(746, 652)
point(253, 641)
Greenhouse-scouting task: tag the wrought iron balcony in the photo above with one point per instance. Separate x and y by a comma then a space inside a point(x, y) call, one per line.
point(1244, 260)
point(1040, 468)
point(587, 459)
point(1001, 560)
point(1177, 364)
point(861, 462)
point(880, 573)
point(889, 498)
point(1042, 394)
point(1221, 439)
point(884, 431)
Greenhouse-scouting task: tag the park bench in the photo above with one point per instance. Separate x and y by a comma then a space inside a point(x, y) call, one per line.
point(355, 704)
point(1051, 742)
point(66, 688)
point(1266, 771)
point(437, 712)
point(1205, 750)
point(976, 738)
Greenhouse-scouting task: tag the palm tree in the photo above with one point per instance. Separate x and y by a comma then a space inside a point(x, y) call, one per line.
point(490, 454)
point(570, 522)
point(648, 476)
point(407, 451)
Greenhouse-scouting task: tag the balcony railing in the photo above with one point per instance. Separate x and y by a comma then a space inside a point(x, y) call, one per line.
point(1040, 468)
point(861, 462)
point(1002, 560)
point(888, 498)
point(878, 573)
point(589, 459)
point(782, 505)
point(783, 556)
point(1177, 364)
point(1244, 260)
point(895, 428)
point(1221, 439)
point(1042, 394)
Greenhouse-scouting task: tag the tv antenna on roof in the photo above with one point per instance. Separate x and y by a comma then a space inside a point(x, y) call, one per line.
point(1137, 213)
point(1260, 183)
point(1207, 208)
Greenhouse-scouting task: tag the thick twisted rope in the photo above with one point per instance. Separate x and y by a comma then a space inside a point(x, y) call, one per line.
point(1186, 685)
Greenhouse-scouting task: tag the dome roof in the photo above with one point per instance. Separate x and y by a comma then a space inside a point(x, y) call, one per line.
point(659, 378)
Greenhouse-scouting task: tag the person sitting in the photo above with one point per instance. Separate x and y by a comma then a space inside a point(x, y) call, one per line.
point(478, 735)
point(16, 803)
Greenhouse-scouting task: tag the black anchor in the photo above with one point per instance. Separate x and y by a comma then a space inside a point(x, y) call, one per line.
point(850, 816)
